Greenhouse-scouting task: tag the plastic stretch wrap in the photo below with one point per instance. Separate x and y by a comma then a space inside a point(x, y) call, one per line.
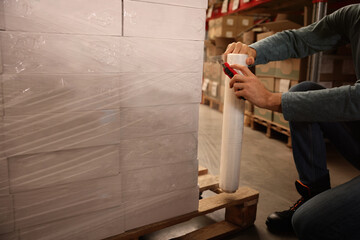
point(65, 16)
point(159, 120)
point(26, 94)
point(157, 150)
point(4, 177)
point(142, 183)
point(98, 131)
point(1, 106)
point(2, 17)
point(53, 132)
point(232, 133)
point(145, 19)
point(65, 53)
point(90, 226)
point(54, 203)
point(42, 170)
point(9, 236)
point(6, 214)
point(186, 3)
point(160, 207)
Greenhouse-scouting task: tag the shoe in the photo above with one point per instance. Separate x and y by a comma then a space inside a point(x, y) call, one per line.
point(278, 222)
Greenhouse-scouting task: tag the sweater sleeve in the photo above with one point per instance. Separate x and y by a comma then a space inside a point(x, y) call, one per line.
point(323, 35)
point(336, 104)
point(330, 105)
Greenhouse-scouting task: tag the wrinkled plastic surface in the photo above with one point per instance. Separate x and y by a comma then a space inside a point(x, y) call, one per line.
point(144, 19)
point(65, 16)
point(186, 3)
point(232, 133)
point(98, 131)
point(25, 52)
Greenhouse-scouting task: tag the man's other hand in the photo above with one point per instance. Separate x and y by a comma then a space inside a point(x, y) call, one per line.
point(239, 47)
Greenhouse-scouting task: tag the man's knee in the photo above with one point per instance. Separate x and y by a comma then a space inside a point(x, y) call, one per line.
point(301, 225)
point(306, 86)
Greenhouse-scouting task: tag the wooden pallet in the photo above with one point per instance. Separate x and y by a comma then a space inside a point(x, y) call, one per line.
point(240, 213)
point(270, 126)
point(213, 103)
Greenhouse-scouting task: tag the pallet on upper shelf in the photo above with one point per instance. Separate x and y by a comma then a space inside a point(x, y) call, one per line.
point(240, 213)
point(270, 126)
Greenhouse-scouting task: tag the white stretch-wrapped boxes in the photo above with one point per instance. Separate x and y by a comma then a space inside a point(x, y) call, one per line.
point(98, 115)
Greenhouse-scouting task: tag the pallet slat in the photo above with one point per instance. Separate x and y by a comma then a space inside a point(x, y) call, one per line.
point(213, 231)
point(207, 182)
point(202, 170)
point(271, 126)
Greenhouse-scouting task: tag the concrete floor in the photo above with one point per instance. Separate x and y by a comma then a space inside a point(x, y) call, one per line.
point(266, 165)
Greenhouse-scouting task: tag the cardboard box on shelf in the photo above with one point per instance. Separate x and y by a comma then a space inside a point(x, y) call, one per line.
point(248, 37)
point(226, 26)
point(268, 82)
point(140, 21)
point(282, 22)
point(269, 68)
point(266, 70)
point(294, 69)
point(279, 119)
point(263, 35)
point(283, 85)
point(212, 50)
point(337, 69)
point(244, 22)
point(211, 29)
point(263, 113)
point(212, 71)
point(223, 42)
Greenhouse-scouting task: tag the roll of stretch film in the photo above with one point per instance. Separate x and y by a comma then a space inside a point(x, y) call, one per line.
point(232, 132)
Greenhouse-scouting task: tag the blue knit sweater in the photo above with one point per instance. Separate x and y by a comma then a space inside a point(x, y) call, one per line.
point(335, 104)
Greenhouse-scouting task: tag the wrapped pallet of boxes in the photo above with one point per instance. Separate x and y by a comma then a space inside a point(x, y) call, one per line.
point(96, 136)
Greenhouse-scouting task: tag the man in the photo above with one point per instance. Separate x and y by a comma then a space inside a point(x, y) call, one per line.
point(313, 112)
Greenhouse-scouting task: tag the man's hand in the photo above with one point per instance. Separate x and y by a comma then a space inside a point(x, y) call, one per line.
point(239, 47)
point(250, 87)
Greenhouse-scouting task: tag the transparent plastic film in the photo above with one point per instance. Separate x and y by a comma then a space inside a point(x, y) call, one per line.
point(232, 133)
point(98, 129)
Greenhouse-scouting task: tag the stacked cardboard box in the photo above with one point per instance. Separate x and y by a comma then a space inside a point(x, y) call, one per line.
point(212, 76)
point(337, 70)
point(98, 117)
point(229, 26)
